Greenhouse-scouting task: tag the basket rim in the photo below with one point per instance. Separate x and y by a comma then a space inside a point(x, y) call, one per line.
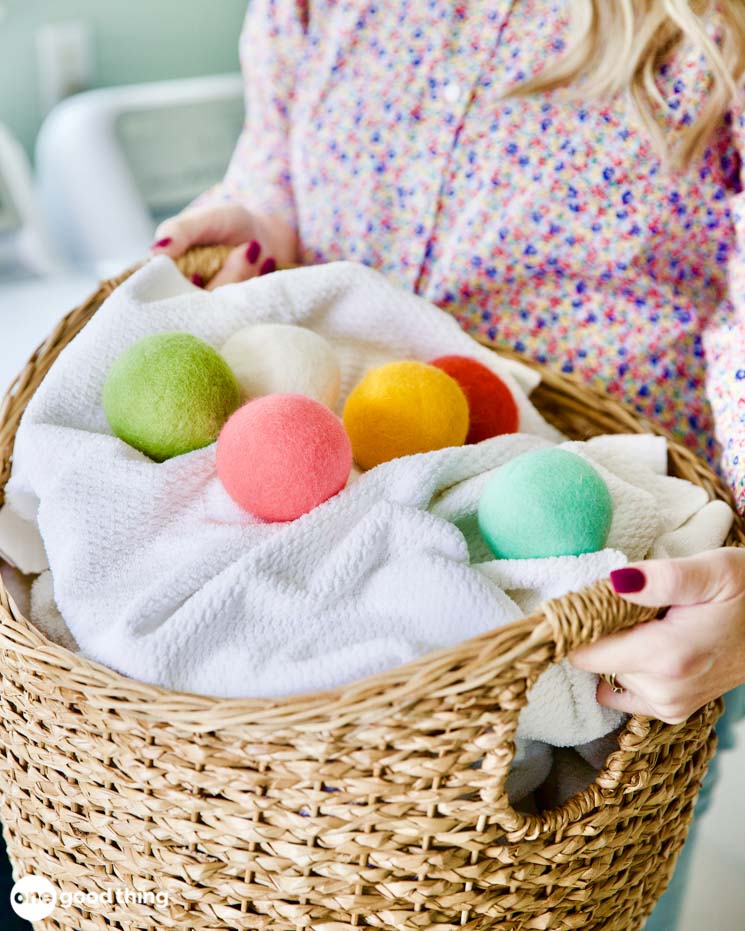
point(537, 640)
point(189, 709)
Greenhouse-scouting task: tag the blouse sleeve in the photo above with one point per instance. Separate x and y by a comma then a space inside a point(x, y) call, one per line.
point(724, 348)
point(258, 176)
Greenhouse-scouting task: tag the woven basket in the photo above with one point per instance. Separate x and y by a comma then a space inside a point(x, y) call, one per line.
point(359, 807)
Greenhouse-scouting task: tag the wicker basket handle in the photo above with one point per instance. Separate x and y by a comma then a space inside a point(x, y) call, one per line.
point(581, 618)
point(207, 261)
point(562, 625)
point(203, 260)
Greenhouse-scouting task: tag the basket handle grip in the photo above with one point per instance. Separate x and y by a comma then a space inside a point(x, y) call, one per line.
point(561, 626)
point(207, 261)
point(574, 620)
point(580, 618)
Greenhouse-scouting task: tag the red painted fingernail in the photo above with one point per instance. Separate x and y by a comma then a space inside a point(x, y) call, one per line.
point(197, 280)
point(627, 581)
point(269, 265)
point(253, 251)
point(162, 243)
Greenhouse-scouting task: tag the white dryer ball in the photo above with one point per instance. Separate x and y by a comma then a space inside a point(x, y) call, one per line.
point(276, 358)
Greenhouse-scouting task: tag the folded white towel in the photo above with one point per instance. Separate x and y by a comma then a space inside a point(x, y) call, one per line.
point(159, 575)
point(20, 534)
point(531, 766)
point(646, 449)
point(596, 752)
point(16, 585)
point(569, 775)
point(46, 614)
point(705, 530)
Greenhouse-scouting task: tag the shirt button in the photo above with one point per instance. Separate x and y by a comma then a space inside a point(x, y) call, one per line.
point(451, 92)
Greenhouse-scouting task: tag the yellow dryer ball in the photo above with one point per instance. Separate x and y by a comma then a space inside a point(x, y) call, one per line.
point(404, 408)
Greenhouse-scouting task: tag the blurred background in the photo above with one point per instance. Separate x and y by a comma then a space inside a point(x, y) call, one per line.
point(112, 116)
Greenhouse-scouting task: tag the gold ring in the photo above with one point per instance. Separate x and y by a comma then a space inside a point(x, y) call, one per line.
point(610, 678)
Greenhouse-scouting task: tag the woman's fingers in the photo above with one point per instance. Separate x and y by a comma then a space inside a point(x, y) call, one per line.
point(671, 710)
point(225, 224)
point(241, 264)
point(244, 262)
point(715, 575)
point(700, 588)
point(672, 666)
point(626, 701)
point(648, 648)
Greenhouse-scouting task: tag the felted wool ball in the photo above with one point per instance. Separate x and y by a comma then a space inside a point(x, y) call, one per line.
point(492, 408)
point(169, 394)
point(404, 408)
point(548, 502)
point(282, 455)
point(270, 358)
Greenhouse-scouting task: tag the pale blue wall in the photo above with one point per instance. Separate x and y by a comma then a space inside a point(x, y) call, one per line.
point(133, 41)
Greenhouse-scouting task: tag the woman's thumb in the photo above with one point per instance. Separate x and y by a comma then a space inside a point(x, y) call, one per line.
point(225, 224)
point(660, 582)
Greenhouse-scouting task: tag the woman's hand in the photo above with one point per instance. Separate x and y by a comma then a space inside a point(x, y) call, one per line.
point(261, 243)
point(671, 667)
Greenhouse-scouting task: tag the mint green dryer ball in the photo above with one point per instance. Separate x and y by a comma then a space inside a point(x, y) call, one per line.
point(545, 503)
point(169, 394)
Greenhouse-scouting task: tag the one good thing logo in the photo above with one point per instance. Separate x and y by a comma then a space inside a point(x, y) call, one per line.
point(33, 898)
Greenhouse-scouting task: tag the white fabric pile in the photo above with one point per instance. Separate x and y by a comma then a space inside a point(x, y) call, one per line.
point(159, 575)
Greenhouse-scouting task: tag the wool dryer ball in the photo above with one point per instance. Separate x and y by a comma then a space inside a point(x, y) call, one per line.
point(492, 408)
point(277, 358)
point(281, 455)
point(404, 408)
point(168, 394)
point(548, 502)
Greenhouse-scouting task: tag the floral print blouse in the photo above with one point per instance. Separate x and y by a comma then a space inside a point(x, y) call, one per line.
point(382, 131)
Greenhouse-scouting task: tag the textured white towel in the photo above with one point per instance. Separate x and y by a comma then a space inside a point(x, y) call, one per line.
point(159, 575)
point(704, 531)
point(46, 615)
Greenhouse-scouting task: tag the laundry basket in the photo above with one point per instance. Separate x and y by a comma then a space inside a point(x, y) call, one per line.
point(358, 807)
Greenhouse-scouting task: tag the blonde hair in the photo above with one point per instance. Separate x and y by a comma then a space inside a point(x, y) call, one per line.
point(620, 45)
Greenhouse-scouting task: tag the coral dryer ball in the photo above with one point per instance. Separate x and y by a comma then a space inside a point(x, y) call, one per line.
point(269, 358)
point(404, 408)
point(548, 502)
point(168, 394)
point(281, 455)
point(492, 408)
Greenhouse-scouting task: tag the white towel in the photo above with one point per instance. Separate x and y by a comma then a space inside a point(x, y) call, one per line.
point(704, 531)
point(17, 586)
point(160, 576)
point(19, 534)
point(46, 615)
point(569, 775)
point(530, 767)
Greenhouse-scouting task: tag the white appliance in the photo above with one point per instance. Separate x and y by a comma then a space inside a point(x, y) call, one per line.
point(35, 289)
point(25, 249)
point(112, 163)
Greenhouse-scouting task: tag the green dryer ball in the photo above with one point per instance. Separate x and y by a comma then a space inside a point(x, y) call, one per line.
point(169, 394)
point(548, 502)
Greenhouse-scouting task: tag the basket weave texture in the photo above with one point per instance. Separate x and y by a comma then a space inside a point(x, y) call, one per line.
point(359, 807)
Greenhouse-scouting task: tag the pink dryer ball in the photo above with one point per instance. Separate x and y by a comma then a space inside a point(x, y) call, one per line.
point(281, 455)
